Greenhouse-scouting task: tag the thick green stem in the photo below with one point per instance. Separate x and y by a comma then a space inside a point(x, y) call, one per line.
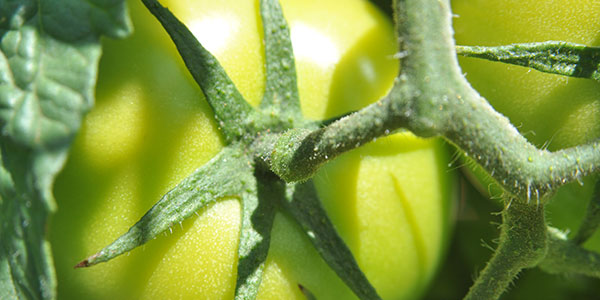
point(412, 104)
point(522, 169)
point(432, 98)
point(299, 153)
point(430, 73)
point(439, 101)
point(523, 244)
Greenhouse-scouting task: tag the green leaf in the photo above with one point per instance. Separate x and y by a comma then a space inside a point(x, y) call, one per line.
point(258, 212)
point(281, 91)
point(49, 51)
point(206, 185)
point(26, 176)
point(560, 58)
point(304, 206)
point(48, 65)
point(231, 110)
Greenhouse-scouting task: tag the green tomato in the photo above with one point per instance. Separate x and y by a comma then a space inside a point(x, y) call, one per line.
point(151, 127)
point(552, 111)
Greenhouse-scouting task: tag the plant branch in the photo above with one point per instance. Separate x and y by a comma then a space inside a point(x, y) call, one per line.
point(523, 244)
point(522, 169)
point(298, 153)
point(566, 257)
point(591, 221)
point(430, 75)
point(441, 102)
point(432, 98)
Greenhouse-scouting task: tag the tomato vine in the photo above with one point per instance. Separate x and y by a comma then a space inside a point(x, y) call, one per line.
point(430, 98)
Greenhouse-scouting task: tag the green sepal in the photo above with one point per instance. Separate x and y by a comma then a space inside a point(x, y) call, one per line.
point(260, 190)
point(554, 57)
point(206, 185)
point(303, 204)
point(281, 92)
point(258, 213)
point(231, 110)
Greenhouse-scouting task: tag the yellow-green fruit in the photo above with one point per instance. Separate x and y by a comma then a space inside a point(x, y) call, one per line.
point(151, 127)
point(552, 111)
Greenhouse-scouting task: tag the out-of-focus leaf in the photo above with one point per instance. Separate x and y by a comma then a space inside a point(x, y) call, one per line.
point(49, 52)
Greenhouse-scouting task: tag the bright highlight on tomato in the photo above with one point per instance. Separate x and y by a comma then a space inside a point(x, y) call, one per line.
point(390, 200)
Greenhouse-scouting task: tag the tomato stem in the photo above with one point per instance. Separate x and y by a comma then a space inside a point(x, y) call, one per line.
point(440, 102)
point(591, 221)
point(523, 244)
point(566, 257)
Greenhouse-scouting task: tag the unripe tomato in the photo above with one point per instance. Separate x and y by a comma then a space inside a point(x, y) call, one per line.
point(151, 127)
point(552, 111)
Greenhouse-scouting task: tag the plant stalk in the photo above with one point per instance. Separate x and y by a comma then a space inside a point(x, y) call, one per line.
point(523, 244)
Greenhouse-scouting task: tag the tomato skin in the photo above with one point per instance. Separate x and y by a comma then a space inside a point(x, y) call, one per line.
point(551, 111)
point(151, 127)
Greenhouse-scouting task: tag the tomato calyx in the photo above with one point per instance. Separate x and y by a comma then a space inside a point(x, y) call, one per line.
point(249, 133)
point(426, 103)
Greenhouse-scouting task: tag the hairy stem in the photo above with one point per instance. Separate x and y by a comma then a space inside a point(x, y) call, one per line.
point(432, 98)
point(440, 101)
point(523, 244)
point(591, 221)
point(566, 257)
point(523, 170)
point(299, 153)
